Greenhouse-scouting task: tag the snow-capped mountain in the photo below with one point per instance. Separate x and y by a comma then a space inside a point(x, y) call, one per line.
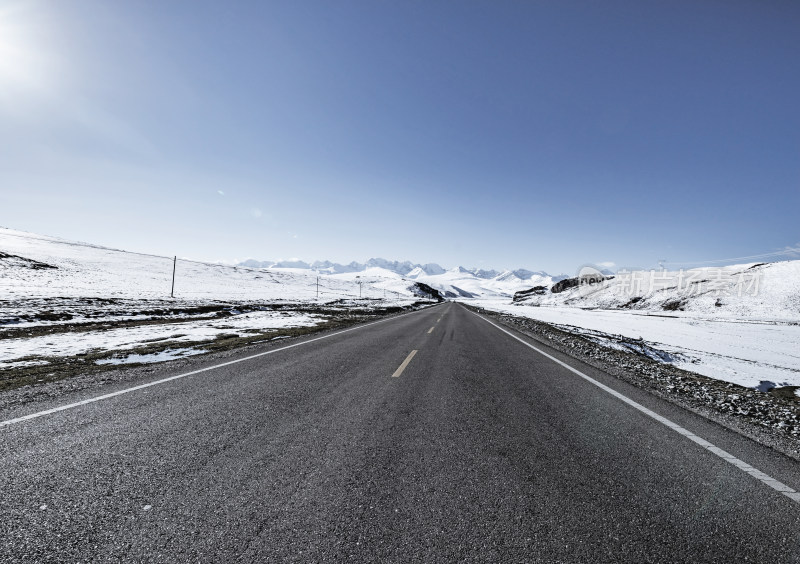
point(485, 274)
point(327, 267)
point(456, 282)
point(465, 283)
point(430, 269)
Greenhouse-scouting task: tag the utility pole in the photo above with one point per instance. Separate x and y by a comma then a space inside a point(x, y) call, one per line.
point(359, 289)
point(174, 264)
point(317, 287)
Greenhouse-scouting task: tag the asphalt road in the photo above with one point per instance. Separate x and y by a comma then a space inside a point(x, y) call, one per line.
point(481, 450)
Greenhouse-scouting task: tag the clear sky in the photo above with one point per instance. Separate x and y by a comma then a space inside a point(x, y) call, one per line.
point(497, 134)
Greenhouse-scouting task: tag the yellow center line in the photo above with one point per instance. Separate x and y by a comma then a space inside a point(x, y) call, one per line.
point(402, 367)
point(431, 330)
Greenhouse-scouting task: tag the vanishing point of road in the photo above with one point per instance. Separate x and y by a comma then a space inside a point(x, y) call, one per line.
point(434, 436)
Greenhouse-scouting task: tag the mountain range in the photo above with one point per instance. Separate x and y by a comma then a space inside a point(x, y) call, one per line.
point(454, 282)
point(406, 269)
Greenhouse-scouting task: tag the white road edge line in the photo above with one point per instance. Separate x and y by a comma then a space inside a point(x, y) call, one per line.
point(402, 367)
point(740, 464)
point(179, 376)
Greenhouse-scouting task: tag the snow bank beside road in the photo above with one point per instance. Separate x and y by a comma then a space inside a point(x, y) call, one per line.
point(745, 352)
point(81, 342)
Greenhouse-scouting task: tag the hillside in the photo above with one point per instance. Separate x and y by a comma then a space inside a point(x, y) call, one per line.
point(37, 266)
point(765, 291)
point(738, 323)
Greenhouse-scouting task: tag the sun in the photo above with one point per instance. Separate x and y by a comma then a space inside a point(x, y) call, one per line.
point(22, 63)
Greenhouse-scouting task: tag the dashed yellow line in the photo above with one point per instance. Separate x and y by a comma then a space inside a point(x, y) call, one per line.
point(431, 330)
point(402, 367)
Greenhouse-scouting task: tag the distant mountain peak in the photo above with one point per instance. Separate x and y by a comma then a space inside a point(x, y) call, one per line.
point(403, 268)
point(406, 268)
point(292, 263)
point(485, 274)
point(524, 274)
point(432, 269)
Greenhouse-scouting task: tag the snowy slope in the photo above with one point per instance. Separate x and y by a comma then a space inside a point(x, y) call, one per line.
point(768, 292)
point(36, 266)
point(749, 353)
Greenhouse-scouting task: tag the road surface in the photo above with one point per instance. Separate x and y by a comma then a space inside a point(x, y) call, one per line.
point(353, 447)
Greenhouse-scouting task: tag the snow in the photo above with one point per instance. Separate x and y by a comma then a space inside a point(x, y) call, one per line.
point(84, 270)
point(169, 354)
point(23, 363)
point(458, 281)
point(461, 282)
point(769, 292)
point(70, 298)
point(746, 352)
point(81, 342)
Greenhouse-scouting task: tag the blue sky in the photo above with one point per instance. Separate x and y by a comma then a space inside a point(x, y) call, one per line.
point(496, 134)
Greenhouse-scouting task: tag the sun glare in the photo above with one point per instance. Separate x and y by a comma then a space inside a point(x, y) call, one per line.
point(22, 64)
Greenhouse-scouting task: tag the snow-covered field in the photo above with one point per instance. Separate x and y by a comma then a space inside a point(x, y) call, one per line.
point(748, 352)
point(81, 342)
point(61, 299)
point(48, 267)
